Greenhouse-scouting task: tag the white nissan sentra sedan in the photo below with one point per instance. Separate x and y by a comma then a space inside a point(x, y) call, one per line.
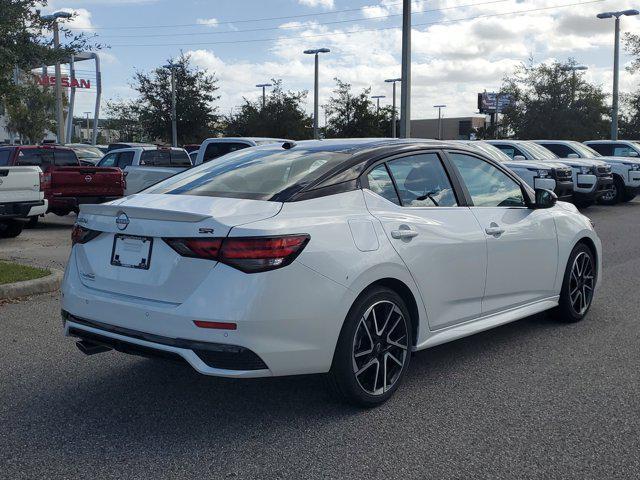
point(338, 257)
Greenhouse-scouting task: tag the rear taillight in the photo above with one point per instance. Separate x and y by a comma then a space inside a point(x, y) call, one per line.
point(45, 181)
point(248, 254)
point(82, 235)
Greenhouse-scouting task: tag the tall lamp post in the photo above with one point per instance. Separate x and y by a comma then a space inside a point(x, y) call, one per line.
point(54, 17)
point(439, 107)
point(264, 92)
point(378, 97)
point(316, 131)
point(616, 64)
point(174, 119)
point(393, 114)
point(573, 69)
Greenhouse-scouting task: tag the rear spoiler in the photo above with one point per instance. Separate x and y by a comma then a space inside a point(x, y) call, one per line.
point(142, 213)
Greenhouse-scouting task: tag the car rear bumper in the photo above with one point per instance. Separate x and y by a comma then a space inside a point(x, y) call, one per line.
point(22, 209)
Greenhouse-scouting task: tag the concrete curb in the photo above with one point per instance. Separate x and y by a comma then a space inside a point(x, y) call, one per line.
point(46, 284)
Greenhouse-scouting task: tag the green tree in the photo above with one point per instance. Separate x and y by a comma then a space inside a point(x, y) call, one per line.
point(124, 117)
point(30, 111)
point(354, 115)
point(549, 102)
point(197, 117)
point(282, 116)
point(629, 121)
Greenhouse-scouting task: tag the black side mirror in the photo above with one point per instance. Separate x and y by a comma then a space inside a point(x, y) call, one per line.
point(545, 198)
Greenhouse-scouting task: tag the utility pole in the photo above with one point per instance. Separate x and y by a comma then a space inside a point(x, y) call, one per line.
point(405, 91)
point(56, 43)
point(616, 64)
point(316, 130)
point(439, 107)
point(394, 114)
point(87, 114)
point(174, 119)
point(264, 93)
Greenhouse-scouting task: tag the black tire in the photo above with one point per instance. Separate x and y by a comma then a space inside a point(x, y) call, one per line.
point(627, 197)
point(352, 350)
point(566, 311)
point(32, 222)
point(10, 228)
point(61, 213)
point(616, 195)
point(583, 203)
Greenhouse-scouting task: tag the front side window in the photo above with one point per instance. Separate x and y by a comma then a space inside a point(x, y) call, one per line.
point(487, 185)
point(559, 149)
point(605, 149)
point(509, 150)
point(422, 181)
point(125, 159)
point(624, 151)
point(380, 182)
point(109, 160)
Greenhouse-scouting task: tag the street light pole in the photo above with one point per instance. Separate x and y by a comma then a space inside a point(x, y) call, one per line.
point(56, 45)
point(393, 114)
point(316, 130)
point(405, 90)
point(174, 119)
point(87, 114)
point(616, 65)
point(264, 93)
point(378, 97)
point(439, 107)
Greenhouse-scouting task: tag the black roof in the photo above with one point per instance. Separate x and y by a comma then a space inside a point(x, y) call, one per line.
point(356, 145)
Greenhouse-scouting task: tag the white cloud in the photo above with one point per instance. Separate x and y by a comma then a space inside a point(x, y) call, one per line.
point(317, 3)
point(81, 19)
point(209, 22)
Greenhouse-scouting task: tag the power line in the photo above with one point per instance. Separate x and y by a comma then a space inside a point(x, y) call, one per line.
point(295, 27)
point(443, 22)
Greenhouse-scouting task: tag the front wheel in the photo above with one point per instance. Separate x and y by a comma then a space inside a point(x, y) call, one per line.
point(374, 349)
point(578, 285)
point(615, 194)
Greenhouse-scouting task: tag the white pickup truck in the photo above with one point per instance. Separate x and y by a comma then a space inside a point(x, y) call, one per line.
point(213, 148)
point(145, 166)
point(21, 197)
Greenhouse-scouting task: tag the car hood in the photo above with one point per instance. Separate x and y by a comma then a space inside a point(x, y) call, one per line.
point(581, 162)
point(618, 160)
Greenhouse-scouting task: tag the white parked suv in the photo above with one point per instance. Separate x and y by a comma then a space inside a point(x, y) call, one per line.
point(21, 197)
point(216, 147)
point(333, 256)
point(144, 166)
point(556, 177)
point(591, 178)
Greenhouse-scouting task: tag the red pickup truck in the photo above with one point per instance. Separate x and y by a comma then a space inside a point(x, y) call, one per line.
point(68, 184)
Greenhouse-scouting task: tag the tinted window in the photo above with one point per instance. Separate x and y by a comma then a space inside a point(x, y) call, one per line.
point(4, 157)
point(180, 158)
point(65, 158)
point(217, 149)
point(488, 186)
point(624, 151)
point(260, 174)
point(422, 181)
point(380, 182)
point(605, 149)
point(510, 150)
point(109, 160)
point(41, 157)
point(559, 149)
point(125, 159)
point(155, 158)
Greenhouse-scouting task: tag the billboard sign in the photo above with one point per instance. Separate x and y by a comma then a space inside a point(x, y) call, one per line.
point(50, 81)
point(492, 102)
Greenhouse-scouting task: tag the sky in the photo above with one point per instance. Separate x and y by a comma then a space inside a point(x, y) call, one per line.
point(459, 47)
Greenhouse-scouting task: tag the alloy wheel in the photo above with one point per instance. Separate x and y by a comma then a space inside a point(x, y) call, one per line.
point(380, 347)
point(611, 194)
point(581, 283)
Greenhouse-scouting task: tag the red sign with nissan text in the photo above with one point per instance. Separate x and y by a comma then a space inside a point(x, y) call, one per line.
point(50, 81)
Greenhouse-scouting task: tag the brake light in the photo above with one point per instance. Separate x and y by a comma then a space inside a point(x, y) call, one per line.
point(248, 254)
point(45, 181)
point(82, 235)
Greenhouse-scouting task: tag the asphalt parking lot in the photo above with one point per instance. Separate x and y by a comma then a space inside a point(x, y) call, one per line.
point(532, 399)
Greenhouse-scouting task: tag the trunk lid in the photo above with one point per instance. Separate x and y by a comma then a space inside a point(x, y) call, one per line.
point(170, 278)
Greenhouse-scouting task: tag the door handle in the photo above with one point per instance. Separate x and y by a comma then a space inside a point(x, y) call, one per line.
point(403, 234)
point(494, 230)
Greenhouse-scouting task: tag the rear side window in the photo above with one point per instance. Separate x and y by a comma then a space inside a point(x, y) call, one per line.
point(422, 181)
point(180, 158)
point(380, 182)
point(65, 158)
point(156, 158)
point(39, 157)
point(217, 149)
point(559, 149)
point(4, 157)
point(605, 149)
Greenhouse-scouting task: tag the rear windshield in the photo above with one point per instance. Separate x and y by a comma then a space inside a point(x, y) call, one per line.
point(4, 157)
point(265, 173)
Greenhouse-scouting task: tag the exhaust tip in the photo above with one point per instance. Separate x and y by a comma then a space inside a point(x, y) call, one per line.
point(90, 348)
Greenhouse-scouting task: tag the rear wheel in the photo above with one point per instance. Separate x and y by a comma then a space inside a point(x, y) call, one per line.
point(374, 349)
point(578, 285)
point(615, 195)
point(10, 228)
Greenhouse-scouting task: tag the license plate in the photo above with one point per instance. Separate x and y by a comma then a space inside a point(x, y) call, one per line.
point(131, 251)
